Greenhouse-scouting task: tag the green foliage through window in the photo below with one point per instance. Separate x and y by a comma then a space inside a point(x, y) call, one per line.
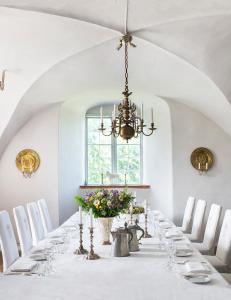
point(108, 154)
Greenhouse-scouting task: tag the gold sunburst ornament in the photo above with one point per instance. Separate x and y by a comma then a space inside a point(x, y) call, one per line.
point(202, 159)
point(27, 161)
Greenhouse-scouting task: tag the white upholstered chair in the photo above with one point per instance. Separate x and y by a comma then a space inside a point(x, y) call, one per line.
point(221, 260)
point(197, 226)
point(46, 219)
point(207, 246)
point(7, 241)
point(23, 229)
point(188, 213)
point(36, 225)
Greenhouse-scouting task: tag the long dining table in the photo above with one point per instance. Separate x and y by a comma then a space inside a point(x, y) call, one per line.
point(141, 276)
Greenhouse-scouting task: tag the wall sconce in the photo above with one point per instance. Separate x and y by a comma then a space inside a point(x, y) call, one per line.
point(27, 161)
point(2, 82)
point(202, 159)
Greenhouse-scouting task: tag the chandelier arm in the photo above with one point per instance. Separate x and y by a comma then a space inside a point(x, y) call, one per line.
point(148, 134)
point(110, 133)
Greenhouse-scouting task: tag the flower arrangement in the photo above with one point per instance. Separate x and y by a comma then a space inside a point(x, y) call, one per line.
point(136, 210)
point(105, 203)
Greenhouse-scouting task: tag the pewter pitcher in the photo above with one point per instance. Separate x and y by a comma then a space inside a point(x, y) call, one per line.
point(121, 239)
point(134, 244)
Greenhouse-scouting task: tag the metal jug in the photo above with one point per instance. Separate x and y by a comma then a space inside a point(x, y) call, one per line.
point(134, 244)
point(122, 237)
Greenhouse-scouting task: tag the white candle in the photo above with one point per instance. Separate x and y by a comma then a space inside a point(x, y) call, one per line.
point(114, 112)
point(80, 215)
point(199, 166)
point(145, 206)
point(152, 115)
point(206, 166)
point(142, 109)
point(101, 114)
point(134, 197)
point(91, 219)
point(131, 208)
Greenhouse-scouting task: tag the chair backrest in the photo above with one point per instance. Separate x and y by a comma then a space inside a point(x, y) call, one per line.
point(188, 212)
point(198, 219)
point(46, 219)
point(7, 241)
point(211, 226)
point(224, 241)
point(23, 229)
point(35, 222)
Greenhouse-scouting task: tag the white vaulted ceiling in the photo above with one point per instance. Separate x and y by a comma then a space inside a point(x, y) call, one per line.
point(58, 50)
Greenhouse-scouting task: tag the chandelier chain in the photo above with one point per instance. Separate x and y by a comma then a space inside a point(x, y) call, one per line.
point(126, 67)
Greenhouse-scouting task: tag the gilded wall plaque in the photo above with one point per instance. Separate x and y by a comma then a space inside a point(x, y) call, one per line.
point(27, 161)
point(202, 159)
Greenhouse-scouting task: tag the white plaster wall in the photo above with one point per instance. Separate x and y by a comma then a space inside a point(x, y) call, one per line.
point(191, 129)
point(157, 155)
point(71, 158)
point(40, 134)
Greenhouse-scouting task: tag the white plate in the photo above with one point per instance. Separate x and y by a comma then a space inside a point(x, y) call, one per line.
point(177, 238)
point(56, 242)
point(183, 253)
point(198, 278)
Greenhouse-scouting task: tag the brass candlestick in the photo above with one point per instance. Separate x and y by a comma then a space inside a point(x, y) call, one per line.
point(146, 234)
point(131, 218)
point(81, 249)
point(91, 254)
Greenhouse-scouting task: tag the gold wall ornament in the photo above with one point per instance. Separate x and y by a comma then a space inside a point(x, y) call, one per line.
point(202, 159)
point(27, 161)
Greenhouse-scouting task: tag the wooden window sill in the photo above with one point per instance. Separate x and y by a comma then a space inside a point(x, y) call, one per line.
point(117, 186)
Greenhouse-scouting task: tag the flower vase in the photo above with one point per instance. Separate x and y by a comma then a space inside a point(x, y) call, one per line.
point(105, 229)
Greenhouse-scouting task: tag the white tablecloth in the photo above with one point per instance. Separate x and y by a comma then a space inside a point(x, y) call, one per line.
point(142, 276)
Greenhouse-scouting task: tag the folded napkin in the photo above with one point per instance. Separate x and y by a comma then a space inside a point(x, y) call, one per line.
point(38, 257)
point(173, 233)
point(23, 265)
point(183, 247)
point(165, 225)
point(197, 267)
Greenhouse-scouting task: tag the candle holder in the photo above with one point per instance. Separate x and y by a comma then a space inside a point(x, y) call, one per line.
point(131, 218)
point(91, 254)
point(146, 234)
point(80, 250)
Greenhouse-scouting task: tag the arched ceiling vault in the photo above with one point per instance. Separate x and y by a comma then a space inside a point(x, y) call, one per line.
point(60, 50)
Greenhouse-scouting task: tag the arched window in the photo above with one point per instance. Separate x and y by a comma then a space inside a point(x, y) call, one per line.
point(110, 155)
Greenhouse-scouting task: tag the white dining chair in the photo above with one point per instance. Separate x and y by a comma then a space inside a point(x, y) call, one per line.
point(7, 241)
point(188, 214)
point(221, 261)
point(197, 226)
point(207, 246)
point(46, 219)
point(23, 229)
point(36, 225)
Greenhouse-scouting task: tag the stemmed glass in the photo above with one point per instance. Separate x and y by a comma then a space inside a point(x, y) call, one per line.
point(170, 247)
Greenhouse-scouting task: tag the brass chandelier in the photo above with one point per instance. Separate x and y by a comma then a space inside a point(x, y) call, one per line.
point(127, 124)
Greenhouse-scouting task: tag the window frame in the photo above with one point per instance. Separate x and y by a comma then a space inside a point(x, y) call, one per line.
point(113, 151)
